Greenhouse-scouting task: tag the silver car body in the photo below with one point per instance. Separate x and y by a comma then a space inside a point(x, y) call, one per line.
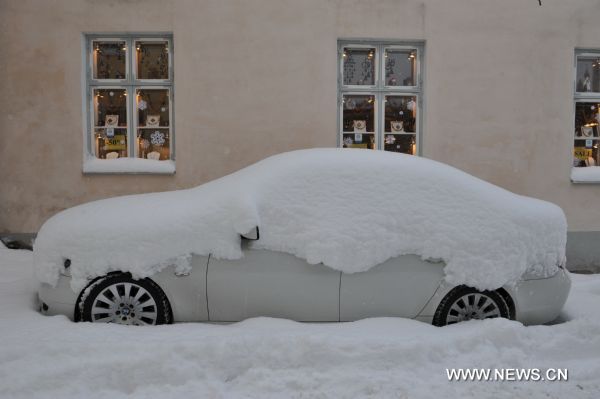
point(277, 284)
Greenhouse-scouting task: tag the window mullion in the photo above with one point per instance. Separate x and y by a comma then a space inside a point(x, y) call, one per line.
point(130, 123)
point(131, 94)
point(88, 98)
point(89, 129)
point(381, 118)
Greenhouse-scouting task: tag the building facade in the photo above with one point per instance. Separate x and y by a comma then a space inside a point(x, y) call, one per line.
point(106, 98)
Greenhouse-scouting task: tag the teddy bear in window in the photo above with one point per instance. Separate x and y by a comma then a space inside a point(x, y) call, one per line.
point(111, 120)
point(397, 126)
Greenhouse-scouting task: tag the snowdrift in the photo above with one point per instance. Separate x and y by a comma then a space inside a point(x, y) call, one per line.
point(349, 209)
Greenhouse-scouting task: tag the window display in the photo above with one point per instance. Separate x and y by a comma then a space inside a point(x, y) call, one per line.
point(110, 122)
point(400, 114)
point(130, 113)
point(587, 134)
point(153, 123)
point(358, 121)
point(401, 143)
point(379, 95)
point(400, 119)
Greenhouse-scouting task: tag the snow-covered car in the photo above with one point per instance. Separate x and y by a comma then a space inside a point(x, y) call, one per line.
point(311, 235)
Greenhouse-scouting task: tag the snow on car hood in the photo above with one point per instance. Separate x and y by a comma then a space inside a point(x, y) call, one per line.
point(349, 209)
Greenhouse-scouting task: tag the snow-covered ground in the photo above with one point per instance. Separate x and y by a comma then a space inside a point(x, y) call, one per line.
point(51, 357)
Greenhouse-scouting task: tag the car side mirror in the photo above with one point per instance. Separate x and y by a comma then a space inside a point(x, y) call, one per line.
point(253, 234)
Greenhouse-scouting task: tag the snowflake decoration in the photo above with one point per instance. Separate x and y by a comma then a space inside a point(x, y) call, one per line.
point(142, 105)
point(390, 139)
point(157, 138)
point(348, 141)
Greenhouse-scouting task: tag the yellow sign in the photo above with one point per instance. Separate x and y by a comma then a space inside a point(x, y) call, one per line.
point(582, 153)
point(117, 142)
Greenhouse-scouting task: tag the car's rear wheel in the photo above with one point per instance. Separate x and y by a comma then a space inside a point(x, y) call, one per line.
point(121, 299)
point(465, 303)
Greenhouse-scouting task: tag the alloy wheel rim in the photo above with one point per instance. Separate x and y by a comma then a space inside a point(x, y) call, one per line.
point(472, 306)
point(124, 303)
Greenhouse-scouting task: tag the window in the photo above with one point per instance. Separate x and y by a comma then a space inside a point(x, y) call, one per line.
point(380, 95)
point(129, 94)
point(586, 137)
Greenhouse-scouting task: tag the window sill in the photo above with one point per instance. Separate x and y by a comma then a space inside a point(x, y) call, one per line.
point(589, 174)
point(128, 166)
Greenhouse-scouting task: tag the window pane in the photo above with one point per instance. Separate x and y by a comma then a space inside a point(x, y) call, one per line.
point(406, 143)
point(109, 59)
point(358, 124)
point(587, 133)
point(110, 122)
point(359, 113)
point(586, 119)
point(358, 140)
point(110, 143)
point(152, 107)
point(586, 153)
point(400, 67)
point(153, 136)
point(359, 66)
point(400, 124)
point(152, 59)
point(110, 107)
point(588, 74)
point(400, 114)
point(154, 144)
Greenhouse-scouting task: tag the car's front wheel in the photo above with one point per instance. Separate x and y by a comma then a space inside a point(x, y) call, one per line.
point(465, 303)
point(121, 299)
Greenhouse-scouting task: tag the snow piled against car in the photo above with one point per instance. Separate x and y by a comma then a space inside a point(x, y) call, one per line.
point(348, 209)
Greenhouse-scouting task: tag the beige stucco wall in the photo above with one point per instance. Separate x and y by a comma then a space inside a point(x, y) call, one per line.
point(258, 77)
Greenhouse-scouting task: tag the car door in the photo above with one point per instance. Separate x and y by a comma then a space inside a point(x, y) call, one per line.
point(273, 284)
point(186, 290)
point(399, 287)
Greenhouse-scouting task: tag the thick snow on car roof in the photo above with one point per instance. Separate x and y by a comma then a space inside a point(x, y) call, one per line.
point(349, 209)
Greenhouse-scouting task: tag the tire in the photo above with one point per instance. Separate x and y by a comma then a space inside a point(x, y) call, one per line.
point(120, 299)
point(465, 303)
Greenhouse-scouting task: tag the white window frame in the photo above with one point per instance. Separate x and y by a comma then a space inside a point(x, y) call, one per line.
point(130, 84)
point(380, 90)
point(583, 97)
